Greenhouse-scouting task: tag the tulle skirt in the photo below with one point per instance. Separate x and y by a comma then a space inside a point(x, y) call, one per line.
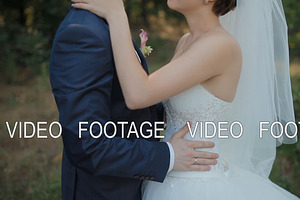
point(235, 184)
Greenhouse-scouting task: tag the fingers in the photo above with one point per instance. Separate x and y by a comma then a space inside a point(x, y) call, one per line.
point(183, 131)
point(80, 1)
point(205, 155)
point(201, 144)
point(199, 168)
point(84, 6)
point(195, 164)
point(200, 161)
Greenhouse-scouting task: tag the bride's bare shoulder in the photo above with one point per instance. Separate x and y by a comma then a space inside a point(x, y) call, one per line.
point(219, 49)
point(226, 41)
point(222, 45)
point(223, 38)
point(181, 41)
point(183, 38)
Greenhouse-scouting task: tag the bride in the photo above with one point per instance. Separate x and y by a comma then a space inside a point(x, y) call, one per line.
point(208, 81)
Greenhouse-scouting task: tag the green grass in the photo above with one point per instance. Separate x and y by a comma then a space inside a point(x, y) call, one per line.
point(29, 168)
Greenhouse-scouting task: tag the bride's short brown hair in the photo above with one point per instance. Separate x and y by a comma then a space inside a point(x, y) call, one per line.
point(222, 7)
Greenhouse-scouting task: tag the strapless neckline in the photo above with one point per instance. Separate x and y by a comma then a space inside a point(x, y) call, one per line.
point(214, 96)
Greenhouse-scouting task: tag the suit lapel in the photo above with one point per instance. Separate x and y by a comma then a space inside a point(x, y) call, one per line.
point(142, 57)
point(140, 54)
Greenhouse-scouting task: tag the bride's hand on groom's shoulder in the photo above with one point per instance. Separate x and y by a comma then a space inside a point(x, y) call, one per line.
point(102, 8)
point(187, 158)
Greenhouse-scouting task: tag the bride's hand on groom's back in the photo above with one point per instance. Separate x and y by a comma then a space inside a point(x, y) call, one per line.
point(187, 158)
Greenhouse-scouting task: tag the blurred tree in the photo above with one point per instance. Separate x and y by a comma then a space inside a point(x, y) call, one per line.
point(26, 32)
point(13, 11)
point(292, 11)
point(140, 10)
point(28, 27)
point(48, 15)
point(145, 12)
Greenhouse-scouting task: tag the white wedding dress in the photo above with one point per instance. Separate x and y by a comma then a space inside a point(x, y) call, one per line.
point(224, 181)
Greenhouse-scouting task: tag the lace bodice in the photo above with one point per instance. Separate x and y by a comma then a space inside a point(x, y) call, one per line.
point(195, 105)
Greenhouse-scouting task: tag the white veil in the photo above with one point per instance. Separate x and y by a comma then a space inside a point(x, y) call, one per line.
point(264, 91)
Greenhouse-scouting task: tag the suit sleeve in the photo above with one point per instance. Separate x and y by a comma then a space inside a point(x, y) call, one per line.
point(81, 77)
point(160, 112)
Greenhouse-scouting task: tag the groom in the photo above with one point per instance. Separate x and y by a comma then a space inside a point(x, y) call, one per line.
point(86, 88)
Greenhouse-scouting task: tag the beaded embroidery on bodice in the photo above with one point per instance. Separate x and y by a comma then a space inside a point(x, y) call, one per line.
point(226, 180)
point(195, 105)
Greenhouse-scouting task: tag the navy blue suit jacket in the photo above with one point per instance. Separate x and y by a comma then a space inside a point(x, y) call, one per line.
point(86, 88)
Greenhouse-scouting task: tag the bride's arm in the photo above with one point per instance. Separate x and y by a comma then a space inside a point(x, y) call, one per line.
point(196, 65)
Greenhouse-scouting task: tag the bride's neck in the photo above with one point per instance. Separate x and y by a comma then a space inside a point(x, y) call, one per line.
point(200, 21)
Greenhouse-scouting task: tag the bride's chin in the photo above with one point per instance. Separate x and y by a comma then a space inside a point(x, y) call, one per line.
point(176, 5)
point(172, 4)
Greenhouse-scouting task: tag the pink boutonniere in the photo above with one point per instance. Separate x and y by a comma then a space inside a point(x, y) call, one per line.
point(146, 50)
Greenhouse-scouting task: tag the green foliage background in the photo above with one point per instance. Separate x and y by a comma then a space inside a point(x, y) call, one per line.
point(31, 169)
